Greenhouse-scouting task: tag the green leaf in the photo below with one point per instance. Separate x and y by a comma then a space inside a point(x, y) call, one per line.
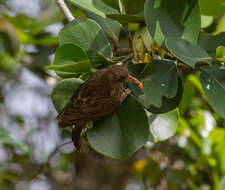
point(112, 3)
point(159, 79)
point(133, 7)
point(141, 41)
point(70, 60)
point(73, 67)
point(130, 6)
point(96, 6)
point(88, 35)
point(213, 82)
point(163, 126)
point(110, 27)
point(126, 18)
point(173, 18)
point(148, 175)
point(169, 104)
point(206, 21)
point(136, 69)
point(217, 135)
point(63, 91)
point(215, 7)
point(7, 140)
point(145, 37)
point(210, 42)
point(187, 52)
point(220, 53)
point(220, 26)
point(118, 136)
point(188, 95)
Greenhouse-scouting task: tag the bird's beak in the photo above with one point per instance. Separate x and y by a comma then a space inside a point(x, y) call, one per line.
point(134, 80)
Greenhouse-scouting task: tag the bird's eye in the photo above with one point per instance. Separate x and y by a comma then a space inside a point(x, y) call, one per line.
point(122, 78)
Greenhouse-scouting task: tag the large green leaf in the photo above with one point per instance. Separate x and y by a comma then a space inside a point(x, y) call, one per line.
point(186, 51)
point(110, 27)
point(169, 104)
point(88, 35)
point(126, 18)
point(120, 135)
point(210, 42)
point(63, 91)
point(159, 79)
point(136, 69)
point(70, 58)
point(96, 6)
point(215, 7)
point(213, 82)
point(173, 18)
point(163, 126)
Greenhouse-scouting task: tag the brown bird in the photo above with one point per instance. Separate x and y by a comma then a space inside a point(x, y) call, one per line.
point(100, 95)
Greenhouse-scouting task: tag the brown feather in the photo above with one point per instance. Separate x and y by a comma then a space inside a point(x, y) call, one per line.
point(100, 95)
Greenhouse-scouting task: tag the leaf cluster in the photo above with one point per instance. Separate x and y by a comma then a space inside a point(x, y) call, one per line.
point(168, 44)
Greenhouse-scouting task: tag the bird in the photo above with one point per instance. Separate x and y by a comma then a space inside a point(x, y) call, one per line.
point(100, 95)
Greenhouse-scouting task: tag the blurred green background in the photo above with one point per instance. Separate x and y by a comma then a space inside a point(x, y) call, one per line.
point(30, 154)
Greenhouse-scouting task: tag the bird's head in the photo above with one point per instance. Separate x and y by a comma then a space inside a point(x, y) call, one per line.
point(120, 74)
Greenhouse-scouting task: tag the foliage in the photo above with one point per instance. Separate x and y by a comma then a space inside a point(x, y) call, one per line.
point(177, 118)
point(176, 34)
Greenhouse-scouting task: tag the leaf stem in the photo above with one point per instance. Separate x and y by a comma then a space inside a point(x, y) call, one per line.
point(65, 10)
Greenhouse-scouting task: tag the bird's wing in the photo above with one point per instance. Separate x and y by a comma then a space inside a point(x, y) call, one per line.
point(84, 105)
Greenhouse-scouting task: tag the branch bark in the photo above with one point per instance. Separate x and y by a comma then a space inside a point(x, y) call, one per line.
point(124, 60)
point(65, 10)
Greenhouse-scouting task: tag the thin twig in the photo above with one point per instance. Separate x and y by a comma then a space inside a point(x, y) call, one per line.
point(65, 10)
point(116, 44)
point(124, 60)
point(130, 38)
point(57, 149)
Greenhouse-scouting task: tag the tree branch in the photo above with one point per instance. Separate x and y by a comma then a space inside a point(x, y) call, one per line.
point(124, 60)
point(130, 38)
point(65, 10)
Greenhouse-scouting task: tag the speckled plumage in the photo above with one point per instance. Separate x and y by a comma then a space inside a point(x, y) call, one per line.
point(100, 95)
